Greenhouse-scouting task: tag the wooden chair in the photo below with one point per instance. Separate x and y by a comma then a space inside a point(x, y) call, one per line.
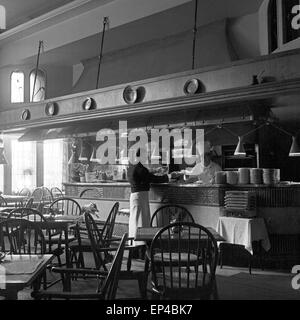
point(41, 197)
point(3, 202)
point(56, 193)
point(32, 215)
point(84, 243)
point(107, 287)
point(24, 192)
point(91, 192)
point(184, 258)
point(24, 236)
point(101, 258)
point(65, 206)
point(168, 214)
point(26, 213)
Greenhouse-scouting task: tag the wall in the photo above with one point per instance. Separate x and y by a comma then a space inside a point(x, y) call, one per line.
point(58, 82)
point(217, 43)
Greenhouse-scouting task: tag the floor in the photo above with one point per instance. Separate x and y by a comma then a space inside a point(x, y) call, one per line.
point(233, 284)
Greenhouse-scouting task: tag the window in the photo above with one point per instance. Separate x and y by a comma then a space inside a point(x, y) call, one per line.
point(38, 84)
point(54, 163)
point(1, 179)
point(23, 165)
point(17, 87)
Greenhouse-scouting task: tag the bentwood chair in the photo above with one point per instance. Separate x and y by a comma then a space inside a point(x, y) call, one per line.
point(56, 193)
point(107, 281)
point(168, 214)
point(41, 197)
point(24, 192)
point(3, 202)
point(184, 258)
point(91, 193)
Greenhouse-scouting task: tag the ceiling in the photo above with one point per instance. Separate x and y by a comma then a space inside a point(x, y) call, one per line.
point(21, 11)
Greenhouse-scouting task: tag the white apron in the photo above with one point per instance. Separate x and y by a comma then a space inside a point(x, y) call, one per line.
point(139, 213)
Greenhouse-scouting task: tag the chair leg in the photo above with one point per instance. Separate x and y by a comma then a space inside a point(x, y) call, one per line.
point(250, 263)
point(215, 291)
point(129, 260)
point(221, 255)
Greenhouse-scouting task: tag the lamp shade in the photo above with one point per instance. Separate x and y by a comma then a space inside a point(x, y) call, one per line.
point(2, 156)
point(295, 150)
point(240, 150)
point(72, 158)
point(94, 155)
point(84, 152)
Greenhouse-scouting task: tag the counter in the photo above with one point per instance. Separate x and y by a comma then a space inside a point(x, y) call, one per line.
point(279, 205)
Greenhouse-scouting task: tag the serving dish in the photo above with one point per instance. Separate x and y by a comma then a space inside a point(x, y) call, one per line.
point(130, 95)
point(192, 86)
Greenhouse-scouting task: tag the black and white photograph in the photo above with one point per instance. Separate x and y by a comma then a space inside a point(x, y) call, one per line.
point(149, 153)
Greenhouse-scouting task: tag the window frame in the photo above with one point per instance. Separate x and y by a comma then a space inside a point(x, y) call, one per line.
point(10, 85)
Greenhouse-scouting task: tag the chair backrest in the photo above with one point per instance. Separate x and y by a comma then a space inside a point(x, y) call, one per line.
point(24, 192)
point(100, 238)
point(178, 252)
point(109, 225)
point(91, 193)
point(65, 206)
point(37, 194)
point(96, 240)
point(110, 284)
point(29, 203)
point(24, 236)
point(168, 214)
point(56, 193)
point(26, 213)
point(3, 202)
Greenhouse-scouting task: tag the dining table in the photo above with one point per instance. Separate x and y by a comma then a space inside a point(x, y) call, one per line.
point(14, 199)
point(18, 271)
point(147, 234)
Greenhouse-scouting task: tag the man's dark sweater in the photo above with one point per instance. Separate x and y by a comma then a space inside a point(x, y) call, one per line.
point(140, 178)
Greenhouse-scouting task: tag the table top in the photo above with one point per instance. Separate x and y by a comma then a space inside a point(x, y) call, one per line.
point(13, 198)
point(243, 231)
point(147, 234)
point(19, 271)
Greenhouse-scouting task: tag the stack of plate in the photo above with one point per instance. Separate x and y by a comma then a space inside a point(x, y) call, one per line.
point(256, 176)
point(271, 176)
point(232, 177)
point(244, 176)
point(243, 203)
point(220, 177)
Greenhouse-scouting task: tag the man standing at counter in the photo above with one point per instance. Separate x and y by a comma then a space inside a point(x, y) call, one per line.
point(140, 179)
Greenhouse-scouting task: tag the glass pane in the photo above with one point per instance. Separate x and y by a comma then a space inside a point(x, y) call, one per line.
point(53, 163)
point(17, 87)
point(1, 179)
point(23, 165)
point(39, 85)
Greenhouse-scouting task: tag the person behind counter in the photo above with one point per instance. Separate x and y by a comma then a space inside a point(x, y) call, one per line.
point(204, 171)
point(140, 179)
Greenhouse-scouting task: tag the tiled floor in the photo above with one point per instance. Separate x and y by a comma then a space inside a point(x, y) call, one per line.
point(233, 284)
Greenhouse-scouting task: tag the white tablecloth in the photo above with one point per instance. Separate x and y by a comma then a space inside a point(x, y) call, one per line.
point(243, 231)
